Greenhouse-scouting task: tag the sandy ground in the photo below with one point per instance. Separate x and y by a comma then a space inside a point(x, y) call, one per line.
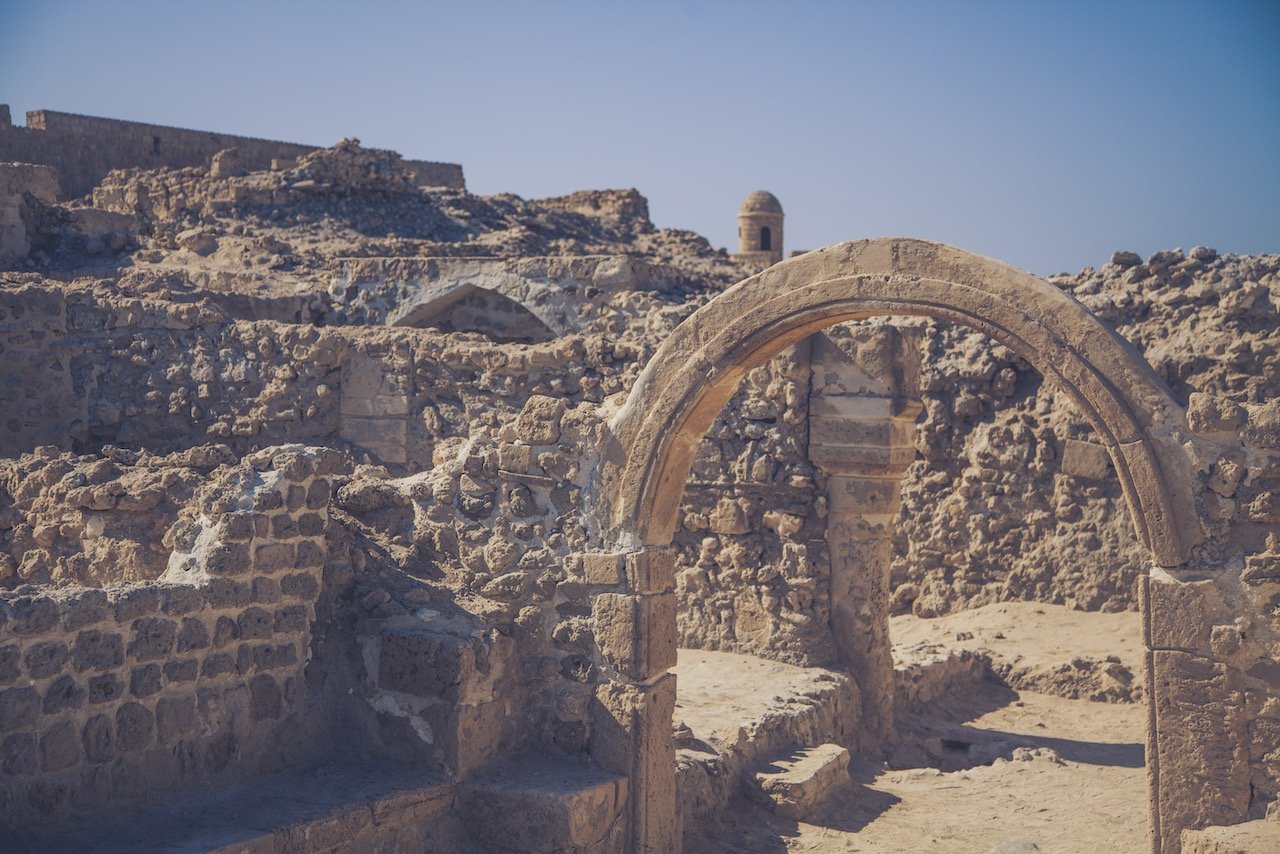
point(1069, 776)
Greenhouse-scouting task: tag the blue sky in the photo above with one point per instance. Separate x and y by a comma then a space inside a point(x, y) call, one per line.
point(1042, 133)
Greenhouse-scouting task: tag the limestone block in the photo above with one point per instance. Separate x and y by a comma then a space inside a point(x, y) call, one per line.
point(1086, 460)
point(425, 663)
point(636, 633)
point(539, 421)
point(797, 783)
point(543, 805)
point(1246, 838)
point(652, 570)
point(602, 568)
point(1201, 744)
point(1181, 614)
point(631, 735)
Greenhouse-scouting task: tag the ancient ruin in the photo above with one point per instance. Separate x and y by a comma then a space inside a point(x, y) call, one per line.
point(342, 509)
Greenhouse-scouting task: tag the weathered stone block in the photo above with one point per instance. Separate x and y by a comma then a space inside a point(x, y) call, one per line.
point(99, 740)
point(178, 599)
point(105, 688)
point(33, 615)
point(1201, 743)
point(425, 663)
point(181, 671)
point(133, 726)
point(218, 664)
point(604, 569)
point(18, 708)
point(63, 693)
point(652, 570)
point(255, 623)
point(291, 618)
point(225, 593)
point(46, 658)
point(539, 421)
point(266, 591)
point(309, 556)
point(225, 631)
point(283, 527)
point(97, 650)
point(556, 805)
point(175, 717)
point(272, 557)
point(300, 585)
point(59, 747)
point(1086, 460)
point(135, 602)
point(318, 495)
point(311, 525)
point(84, 609)
point(153, 637)
point(253, 657)
point(228, 559)
point(1181, 614)
point(192, 635)
point(144, 681)
point(296, 497)
point(636, 633)
point(796, 784)
point(631, 735)
point(237, 527)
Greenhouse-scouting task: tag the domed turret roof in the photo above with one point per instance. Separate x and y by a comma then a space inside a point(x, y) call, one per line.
point(761, 201)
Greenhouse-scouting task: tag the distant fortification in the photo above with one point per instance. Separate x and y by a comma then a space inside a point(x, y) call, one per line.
point(85, 148)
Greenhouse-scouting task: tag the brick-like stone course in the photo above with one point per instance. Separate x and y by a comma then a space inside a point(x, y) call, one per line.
point(108, 694)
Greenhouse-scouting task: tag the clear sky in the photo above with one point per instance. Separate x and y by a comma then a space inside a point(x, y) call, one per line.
point(1042, 133)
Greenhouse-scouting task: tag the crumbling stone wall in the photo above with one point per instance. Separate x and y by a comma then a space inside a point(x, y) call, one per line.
point(133, 690)
point(85, 148)
point(753, 563)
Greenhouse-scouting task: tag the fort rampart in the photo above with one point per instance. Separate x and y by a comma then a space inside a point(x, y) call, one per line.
point(85, 148)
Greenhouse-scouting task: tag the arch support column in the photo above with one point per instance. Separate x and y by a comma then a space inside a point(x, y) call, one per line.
point(635, 625)
point(863, 403)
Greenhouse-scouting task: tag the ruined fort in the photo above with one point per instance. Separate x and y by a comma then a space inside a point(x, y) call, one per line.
point(342, 509)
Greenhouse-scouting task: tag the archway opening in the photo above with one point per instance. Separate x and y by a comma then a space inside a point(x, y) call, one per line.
point(781, 528)
point(698, 368)
point(766, 239)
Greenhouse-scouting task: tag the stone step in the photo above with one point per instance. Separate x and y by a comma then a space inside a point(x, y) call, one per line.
point(543, 804)
point(336, 807)
point(1247, 838)
point(798, 782)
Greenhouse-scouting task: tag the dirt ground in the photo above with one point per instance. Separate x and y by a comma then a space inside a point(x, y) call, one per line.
point(1067, 774)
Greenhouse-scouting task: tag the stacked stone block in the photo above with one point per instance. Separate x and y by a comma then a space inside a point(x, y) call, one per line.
point(135, 690)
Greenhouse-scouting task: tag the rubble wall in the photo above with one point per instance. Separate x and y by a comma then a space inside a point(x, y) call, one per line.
point(85, 148)
point(134, 690)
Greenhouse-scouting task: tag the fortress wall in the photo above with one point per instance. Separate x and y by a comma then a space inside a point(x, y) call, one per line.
point(133, 690)
point(85, 148)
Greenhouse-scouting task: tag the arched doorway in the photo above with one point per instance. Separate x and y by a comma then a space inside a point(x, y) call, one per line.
point(696, 371)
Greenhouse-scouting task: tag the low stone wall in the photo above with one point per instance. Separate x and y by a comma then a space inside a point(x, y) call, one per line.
point(131, 691)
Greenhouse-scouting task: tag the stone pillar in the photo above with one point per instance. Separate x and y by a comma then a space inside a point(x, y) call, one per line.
point(631, 721)
point(1197, 744)
point(862, 411)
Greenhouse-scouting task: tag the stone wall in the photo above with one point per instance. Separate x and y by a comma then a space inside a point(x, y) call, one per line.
point(753, 567)
point(133, 691)
point(85, 148)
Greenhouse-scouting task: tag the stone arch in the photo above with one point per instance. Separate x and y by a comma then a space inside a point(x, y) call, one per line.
point(654, 437)
point(697, 369)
